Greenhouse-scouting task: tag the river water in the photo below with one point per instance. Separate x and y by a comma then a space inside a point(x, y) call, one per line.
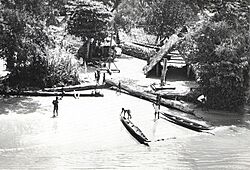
point(89, 135)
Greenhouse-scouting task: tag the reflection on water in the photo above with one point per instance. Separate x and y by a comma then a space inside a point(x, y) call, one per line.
point(89, 134)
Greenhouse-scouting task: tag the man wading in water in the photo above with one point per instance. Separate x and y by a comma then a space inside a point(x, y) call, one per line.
point(55, 110)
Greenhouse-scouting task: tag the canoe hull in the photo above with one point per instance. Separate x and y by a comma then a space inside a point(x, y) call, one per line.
point(134, 131)
point(185, 123)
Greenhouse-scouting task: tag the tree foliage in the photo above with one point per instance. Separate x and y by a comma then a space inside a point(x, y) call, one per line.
point(160, 18)
point(22, 38)
point(165, 17)
point(89, 19)
point(24, 41)
point(130, 14)
point(220, 50)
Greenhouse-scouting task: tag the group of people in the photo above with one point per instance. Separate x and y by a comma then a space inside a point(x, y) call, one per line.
point(126, 112)
point(156, 105)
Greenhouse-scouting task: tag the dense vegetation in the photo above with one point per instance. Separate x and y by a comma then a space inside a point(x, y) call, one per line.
point(25, 42)
point(220, 51)
point(217, 42)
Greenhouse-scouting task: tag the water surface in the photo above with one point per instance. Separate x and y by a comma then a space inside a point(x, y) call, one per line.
point(89, 135)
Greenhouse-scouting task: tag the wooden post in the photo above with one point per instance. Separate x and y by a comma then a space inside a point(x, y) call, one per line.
point(110, 51)
point(88, 46)
point(188, 70)
point(85, 67)
point(157, 69)
point(164, 71)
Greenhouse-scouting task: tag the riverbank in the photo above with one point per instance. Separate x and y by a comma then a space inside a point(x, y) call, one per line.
point(88, 134)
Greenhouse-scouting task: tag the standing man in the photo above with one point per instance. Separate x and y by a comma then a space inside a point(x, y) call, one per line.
point(98, 76)
point(158, 99)
point(157, 111)
point(55, 110)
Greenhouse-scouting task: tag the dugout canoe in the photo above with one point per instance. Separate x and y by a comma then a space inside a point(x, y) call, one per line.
point(184, 122)
point(134, 131)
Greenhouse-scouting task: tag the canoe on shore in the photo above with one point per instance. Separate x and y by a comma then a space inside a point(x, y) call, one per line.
point(42, 93)
point(134, 131)
point(133, 91)
point(184, 122)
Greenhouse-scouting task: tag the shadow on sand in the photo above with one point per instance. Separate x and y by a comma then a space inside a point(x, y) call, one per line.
point(18, 105)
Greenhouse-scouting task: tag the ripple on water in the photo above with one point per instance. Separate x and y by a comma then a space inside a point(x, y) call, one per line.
point(89, 134)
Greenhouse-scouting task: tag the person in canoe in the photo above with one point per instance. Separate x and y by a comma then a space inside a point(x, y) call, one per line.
point(129, 115)
point(119, 88)
point(124, 111)
point(55, 109)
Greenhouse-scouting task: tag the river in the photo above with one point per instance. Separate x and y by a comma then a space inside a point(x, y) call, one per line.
point(89, 135)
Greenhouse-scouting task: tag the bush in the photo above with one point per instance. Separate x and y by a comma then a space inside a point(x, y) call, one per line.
point(221, 53)
point(43, 72)
point(62, 71)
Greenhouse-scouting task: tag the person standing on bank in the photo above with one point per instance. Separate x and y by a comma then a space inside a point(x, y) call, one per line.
point(55, 104)
point(158, 100)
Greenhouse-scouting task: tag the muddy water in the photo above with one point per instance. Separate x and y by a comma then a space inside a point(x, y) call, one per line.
point(88, 134)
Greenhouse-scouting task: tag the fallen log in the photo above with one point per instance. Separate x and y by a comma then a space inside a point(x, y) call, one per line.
point(178, 105)
point(76, 88)
point(166, 48)
point(41, 93)
point(137, 51)
point(147, 45)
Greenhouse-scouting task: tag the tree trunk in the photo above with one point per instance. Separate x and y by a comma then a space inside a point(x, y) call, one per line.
point(174, 39)
point(76, 88)
point(88, 49)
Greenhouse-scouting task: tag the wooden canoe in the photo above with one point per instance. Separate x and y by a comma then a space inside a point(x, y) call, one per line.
point(42, 93)
point(134, 131)
point(184, 122)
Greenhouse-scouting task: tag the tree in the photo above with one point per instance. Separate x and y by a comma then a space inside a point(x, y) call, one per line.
point(89, 20)
point(130, 14)
point(220, 51)
point(165, 17)
point(160, 18)
point(24, 41)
